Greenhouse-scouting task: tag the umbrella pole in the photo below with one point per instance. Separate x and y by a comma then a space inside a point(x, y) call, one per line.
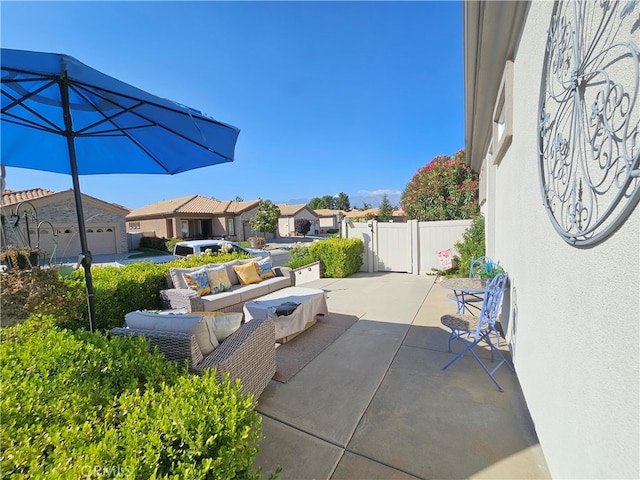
point(86, 258)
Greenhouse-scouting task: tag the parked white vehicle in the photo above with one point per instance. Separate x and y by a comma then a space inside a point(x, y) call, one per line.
point(190, 247)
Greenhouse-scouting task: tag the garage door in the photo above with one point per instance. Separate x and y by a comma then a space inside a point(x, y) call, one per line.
point(68, 242)
point(101, 241)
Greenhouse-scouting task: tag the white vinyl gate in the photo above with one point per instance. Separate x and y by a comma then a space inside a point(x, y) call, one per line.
point(410, 247)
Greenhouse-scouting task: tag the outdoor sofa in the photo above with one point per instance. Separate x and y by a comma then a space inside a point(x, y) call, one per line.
point(178, 296)
point(248, 354)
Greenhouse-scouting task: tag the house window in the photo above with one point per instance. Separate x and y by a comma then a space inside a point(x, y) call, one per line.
point(184, 228)
point(503, 115)
point(231, 227)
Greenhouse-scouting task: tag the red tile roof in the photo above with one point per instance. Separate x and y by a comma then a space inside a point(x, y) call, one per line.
point(13, 197)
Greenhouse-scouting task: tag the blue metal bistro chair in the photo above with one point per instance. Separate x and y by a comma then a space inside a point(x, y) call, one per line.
point(480, 265)
point(468, 301)
point(481, 328)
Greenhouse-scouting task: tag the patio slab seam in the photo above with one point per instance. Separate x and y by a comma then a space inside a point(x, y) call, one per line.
point(345, 448)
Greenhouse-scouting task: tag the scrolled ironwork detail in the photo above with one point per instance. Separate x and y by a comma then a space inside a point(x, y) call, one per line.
point(588, 135)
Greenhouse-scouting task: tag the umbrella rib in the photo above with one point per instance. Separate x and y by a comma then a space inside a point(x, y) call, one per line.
point(151, 123)
point(106, 118)
point(15, 102)
point(29, 124)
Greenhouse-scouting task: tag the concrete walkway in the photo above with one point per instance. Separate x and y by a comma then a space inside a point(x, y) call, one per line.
point(377, 405)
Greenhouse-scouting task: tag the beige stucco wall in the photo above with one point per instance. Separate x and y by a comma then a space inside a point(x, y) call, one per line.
point(157, 226)
point(574, 313)
point(287, 225)
point(327, 223)
point(62, 215)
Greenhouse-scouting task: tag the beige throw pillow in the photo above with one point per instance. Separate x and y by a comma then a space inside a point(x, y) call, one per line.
point(223, 324)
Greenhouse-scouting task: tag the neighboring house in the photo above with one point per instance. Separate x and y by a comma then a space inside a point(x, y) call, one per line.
point(194, 217)
point(288, 216)
point(551, 166)
point(54, 225)
point(398, 216)
point(356, 215)
point(329, 220)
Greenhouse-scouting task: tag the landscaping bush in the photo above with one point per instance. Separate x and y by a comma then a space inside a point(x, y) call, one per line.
point(82, 405)
point(136, 286)
point(171, 242)
point(299, 256)
point(341, 256)
point(471, 246)
point(154, 243)
point(25, 292)
point(301, 262)
point(298, 251)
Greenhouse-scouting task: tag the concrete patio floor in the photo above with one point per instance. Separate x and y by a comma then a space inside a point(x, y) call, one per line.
point(376, 404)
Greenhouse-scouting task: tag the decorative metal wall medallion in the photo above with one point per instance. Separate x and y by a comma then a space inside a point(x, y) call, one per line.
point(588, 136)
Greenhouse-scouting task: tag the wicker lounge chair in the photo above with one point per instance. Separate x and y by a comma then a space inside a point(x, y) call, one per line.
point(249, 354)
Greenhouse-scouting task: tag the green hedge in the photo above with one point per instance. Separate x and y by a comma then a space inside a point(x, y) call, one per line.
point(136, 286)
point(341, 256)
point(301, 262)
point(82, 405)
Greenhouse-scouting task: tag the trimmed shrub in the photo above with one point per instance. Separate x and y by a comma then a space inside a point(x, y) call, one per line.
point(81, 405)
point(136, 286)
point(301, 262)
point(299, 251)
point(154, 243)
point(341, 256)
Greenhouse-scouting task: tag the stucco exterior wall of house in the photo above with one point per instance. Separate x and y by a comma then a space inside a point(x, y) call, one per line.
point(325, 223)
point(574, 313)
point(157, 227)
point(62, 215)
point(287, 225)
point(219, 227)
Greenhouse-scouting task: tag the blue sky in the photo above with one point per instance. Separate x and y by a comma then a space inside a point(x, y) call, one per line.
point(329, 97)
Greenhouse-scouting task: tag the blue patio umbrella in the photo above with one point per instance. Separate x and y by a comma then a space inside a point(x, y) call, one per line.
point(59, 115)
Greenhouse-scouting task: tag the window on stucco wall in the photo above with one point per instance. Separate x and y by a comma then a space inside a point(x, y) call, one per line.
point(502, 131)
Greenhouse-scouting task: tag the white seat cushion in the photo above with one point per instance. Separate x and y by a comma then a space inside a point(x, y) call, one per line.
point(194, 324)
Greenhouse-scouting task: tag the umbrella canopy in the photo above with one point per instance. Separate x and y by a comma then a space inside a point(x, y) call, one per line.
point(59, 115)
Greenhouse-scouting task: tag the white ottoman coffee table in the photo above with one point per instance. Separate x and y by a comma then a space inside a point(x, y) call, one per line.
point(311, 302)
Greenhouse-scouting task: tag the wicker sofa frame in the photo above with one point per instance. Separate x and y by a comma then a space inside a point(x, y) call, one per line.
point(249, 354)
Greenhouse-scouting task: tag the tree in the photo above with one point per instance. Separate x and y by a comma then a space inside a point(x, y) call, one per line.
point(444, 189)
point(385, 211)
point(366, 206)
point(315, 203)
point(239, 199)
point(266, 218)
point(328, 201)
point(342, 202)
point(302, 226)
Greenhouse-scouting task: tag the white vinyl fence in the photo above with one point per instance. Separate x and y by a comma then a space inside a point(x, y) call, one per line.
point(410, 247)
